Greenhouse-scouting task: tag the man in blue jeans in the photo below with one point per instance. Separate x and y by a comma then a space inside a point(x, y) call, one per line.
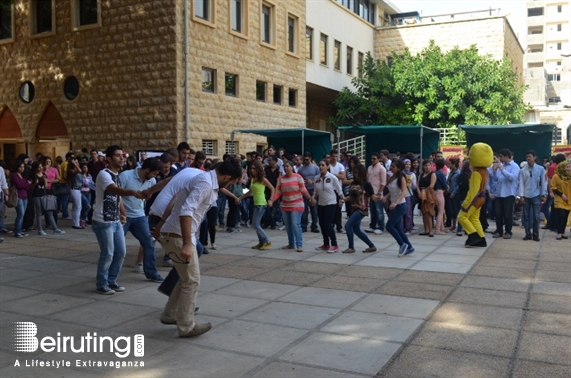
point(108, 216)
point(532, 191)
point(140, 179)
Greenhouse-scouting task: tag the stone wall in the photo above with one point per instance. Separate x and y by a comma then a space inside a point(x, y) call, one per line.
point(492, 35)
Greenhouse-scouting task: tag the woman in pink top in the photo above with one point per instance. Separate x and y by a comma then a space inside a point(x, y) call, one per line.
point(52, 173)
point(292, 190)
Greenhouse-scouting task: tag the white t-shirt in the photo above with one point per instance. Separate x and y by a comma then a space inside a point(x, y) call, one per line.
point(174, 186)
point(106, 208)
point(337, 168)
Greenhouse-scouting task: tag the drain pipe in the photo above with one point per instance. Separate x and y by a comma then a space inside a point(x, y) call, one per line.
point(186, 120)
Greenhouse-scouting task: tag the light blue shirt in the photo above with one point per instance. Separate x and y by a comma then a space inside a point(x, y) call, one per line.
point(134, 207)
point(532, 181)
point(506, 182)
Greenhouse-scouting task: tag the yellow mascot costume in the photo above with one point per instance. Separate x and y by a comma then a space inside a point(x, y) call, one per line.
point(481, 157)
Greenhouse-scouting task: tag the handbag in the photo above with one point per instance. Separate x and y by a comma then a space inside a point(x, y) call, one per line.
point(12, 198)
point(60, 189)
point(49, 203)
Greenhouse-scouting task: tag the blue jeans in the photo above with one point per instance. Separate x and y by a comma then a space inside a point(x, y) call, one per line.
point(353, 227)
point(273, 214)
point(531, 208)
point(221, 204)
point(63, 202)
point(20, 211)
point(309, 209)
point(85, 205)
point(292, 221)
point(245, 210)
point(546, 209)
point(394, 224)
point(111, 242)
point(139, 227)
point(377, 215)
point(458, 204)
point(256, 222)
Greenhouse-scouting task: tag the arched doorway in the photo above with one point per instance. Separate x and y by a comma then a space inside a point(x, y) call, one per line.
point(53, 139)
point(11, 141)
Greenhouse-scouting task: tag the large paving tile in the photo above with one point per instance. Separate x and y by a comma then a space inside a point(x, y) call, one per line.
point(508, 263)
point(446, 267)
point(370, 272)
point(459, 251)
point(498, 271)
point(24, 261)
point(418, 361)
point(497, 283)
point(11, 275)
point(227, 306)
point(478, 315)
point(553, 276)
point(398, 306)
point(549, 303)
point(251, 337)
point(290, 277)
point(289, 370)
point(238, 272)
point(209, 283)
point(148, 296)
point(200, 362)
point(466, 338)
point(532, 369)
point(313, 267)
point(53, 266)
point(552, 288)
point(437, 278)
point(366, 324)
point(488, 297)
point(348, 353)
point(347, 259)
point(259, 290)
point(450, 258)
point(289, 255)
point(291, 315)
point(403, 263)
point(44, 304)
point(103, 314)
point(415, 290)
point(543, 322)
point(9, 293)
point(323, 297)
point(545, 348)
point(349, 283)
point(52, 283)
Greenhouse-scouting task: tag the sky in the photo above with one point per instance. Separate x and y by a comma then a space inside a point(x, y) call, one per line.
point(515, 8)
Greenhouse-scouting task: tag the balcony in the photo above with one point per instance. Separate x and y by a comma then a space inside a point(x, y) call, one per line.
point(535, 21)
point(535, 39)
point(534, 57)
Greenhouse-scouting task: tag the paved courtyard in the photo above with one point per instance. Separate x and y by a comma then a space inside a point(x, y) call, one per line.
point(445, 311)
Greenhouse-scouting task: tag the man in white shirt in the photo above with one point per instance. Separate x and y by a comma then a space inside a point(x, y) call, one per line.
point(178, 228)
point(338, 170)
point(377, 176)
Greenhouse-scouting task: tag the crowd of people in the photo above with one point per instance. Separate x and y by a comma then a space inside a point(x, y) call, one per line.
point(179, 199)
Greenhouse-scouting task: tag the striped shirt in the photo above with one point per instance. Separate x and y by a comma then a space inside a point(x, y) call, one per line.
point(291, 189)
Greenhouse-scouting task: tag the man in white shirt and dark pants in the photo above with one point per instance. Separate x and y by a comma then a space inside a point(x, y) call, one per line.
point(178, 229)
point(338, 170)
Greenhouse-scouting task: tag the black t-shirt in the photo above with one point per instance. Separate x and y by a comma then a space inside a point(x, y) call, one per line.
point(40, 189)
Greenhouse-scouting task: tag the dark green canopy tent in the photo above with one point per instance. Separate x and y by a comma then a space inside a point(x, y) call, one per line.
point(517, 138)
point(296, 140)
point(410, 138)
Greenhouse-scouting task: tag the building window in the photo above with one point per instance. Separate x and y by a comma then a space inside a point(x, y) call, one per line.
point(238, 15)
point(208, 80)
point(42, 16)
point(231, 147)
point(231, 85)
point(6, 12)
point(278, 89)
point(268, 24)
point(554, 77)
point(349, 60)
point(558, 63)
point(559, 8)
point(360, 64)
point(323, 50)
point(533, 12)
point(559, 27)
point(209, 147)
point(309, 43)
point(337, 55)
point(389, 61)
point(291, 34)
point(87, 12)
point(71, 88)
point(202, 9)
point(261, 91)
point(292, 101)
point(554, 100)
point(559, 46)
point(27, 92)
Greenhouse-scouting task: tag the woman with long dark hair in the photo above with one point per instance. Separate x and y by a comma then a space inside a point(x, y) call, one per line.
point(39, 189)
point(86, 187)
point(397, 193)
point(425, 189)
point(258, 185)
point(75, 179)
point(360, 193)
point(440, 188)
point(348, 180)
point(18, 180)
point(327, 189)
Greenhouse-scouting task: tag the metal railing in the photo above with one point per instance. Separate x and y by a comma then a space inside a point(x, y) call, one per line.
point(355, 145)
point(451, 136)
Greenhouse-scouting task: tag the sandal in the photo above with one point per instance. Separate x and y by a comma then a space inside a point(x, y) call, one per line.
point(423, 233)
point(213, 246)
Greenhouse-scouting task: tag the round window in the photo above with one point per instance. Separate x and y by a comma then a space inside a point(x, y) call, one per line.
point(71, 88)
point(27, 92)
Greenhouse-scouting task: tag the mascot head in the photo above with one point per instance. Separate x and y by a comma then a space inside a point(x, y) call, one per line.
point(481, 155)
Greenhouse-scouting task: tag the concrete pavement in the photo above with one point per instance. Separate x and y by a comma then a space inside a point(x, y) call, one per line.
point(445, 311)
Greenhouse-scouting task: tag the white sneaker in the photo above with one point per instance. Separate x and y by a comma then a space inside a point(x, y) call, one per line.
point(378, 232)
point(139, 268)
point(415, 228)
point(369, 230)
point(281, 228)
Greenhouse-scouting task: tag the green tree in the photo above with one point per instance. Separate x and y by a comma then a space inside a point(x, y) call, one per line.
point(435, 89)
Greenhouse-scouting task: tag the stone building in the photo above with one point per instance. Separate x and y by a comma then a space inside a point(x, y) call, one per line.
point(91, 73)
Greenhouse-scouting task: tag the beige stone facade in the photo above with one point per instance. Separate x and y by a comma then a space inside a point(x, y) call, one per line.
point(130, 67)
point(493, 35)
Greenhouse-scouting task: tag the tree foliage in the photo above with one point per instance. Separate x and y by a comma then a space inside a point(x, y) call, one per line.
point(433, 88)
